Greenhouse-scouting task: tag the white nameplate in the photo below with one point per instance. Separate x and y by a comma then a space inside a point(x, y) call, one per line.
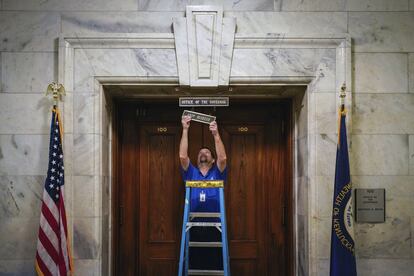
point(199, 117)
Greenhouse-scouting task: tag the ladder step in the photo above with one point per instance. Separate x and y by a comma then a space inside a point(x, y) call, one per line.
point(205, 272)
point(204, 215)
point(204, 224)
point(205, 244)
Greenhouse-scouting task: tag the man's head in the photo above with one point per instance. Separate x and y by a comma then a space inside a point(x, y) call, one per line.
point(205, 157)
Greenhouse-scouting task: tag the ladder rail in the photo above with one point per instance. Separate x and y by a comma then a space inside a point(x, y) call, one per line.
point(187, 253)
point(184, 232)
point(225, 247)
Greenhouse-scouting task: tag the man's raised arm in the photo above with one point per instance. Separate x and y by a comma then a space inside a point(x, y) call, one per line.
point(220, 151)
point(184, 160)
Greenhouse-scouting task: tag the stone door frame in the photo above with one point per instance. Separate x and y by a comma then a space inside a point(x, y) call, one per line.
point(89, 143)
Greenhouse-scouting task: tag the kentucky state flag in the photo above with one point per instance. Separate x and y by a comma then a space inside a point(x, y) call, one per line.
point(342, 242)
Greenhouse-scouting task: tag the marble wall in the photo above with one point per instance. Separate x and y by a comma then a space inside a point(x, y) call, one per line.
point(382, 127)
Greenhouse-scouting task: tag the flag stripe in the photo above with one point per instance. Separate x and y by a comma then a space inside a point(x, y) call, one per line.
point(48, 217)
point(49, 232)
point(49, 247)
point(65, 225)
point(62, 265)
point(41, 265)
point(53, 208)
point(63, 215)
point(63, 244)
point(65, 228)
point(47, 260)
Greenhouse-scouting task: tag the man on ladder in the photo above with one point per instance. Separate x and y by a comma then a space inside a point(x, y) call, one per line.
point(204, 247)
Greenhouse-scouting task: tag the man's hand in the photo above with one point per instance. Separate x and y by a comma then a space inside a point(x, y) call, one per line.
point(214, 128)
point(185, 121)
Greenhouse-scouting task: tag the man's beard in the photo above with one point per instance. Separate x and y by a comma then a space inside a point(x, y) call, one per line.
point(203, 160)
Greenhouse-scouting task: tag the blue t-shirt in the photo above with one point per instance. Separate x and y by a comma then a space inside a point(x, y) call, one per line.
point(204, 200)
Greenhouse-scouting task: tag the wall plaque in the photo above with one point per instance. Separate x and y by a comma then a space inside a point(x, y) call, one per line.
point(370, 205)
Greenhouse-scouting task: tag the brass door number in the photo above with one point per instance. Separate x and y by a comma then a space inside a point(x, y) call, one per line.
point(162, 129)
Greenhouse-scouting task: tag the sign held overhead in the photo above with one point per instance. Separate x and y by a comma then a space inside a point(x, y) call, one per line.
point(199, 117)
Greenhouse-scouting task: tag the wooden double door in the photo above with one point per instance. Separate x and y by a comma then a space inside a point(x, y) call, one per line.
point(149, 192)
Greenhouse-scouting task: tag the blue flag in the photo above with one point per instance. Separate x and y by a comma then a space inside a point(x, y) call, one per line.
point(342, 242)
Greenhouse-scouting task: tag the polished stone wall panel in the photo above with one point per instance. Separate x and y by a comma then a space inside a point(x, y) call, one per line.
point(372, 76)
point(29, 31)
point(377, 5)
point(20, 196)
point(179, 5)
point(86, 236)
point(78, 5)
point(33, 113)
point(319, 5)
point(411, 72)
point(13, 231)
point(391, 239)
point(379, 155)
point(126, 62)
point(27, 72)
point(23, 154)
point(381, 31)
point(411, 154)
point(290, 22)
point(81, 23)
point(383, 113)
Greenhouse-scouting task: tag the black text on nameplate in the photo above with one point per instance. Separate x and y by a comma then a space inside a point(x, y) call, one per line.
point(199, 117)
point(203, 101)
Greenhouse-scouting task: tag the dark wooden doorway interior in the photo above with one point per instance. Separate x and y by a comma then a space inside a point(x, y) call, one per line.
point(148, 192)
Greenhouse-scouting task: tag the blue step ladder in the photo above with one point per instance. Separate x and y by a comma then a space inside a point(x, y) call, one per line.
point(212, 220)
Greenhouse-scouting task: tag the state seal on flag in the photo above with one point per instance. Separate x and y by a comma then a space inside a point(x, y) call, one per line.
point(342, 217)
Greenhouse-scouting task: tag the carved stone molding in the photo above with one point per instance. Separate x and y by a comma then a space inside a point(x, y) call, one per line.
point(204, 45)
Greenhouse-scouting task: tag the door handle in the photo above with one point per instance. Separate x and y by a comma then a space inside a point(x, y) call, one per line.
point(283, 215)
point(121, 215)
point(273, 242)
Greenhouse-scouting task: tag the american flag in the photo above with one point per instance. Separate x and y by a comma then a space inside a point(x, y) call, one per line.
point(53, 248)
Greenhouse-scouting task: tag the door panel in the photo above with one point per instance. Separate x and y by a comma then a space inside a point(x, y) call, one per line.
point(161, 215)
point(243, 194)
point(244, 153)
point(126, 227)
point(279, 197)
point(244, 268)
point(159, 193)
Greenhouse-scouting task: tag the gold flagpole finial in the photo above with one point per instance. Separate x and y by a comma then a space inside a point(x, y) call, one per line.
point(57, 90)
point(342, 95)
point(343, 91)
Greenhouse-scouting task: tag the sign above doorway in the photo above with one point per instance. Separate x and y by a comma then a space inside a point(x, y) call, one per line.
point(203, 101)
